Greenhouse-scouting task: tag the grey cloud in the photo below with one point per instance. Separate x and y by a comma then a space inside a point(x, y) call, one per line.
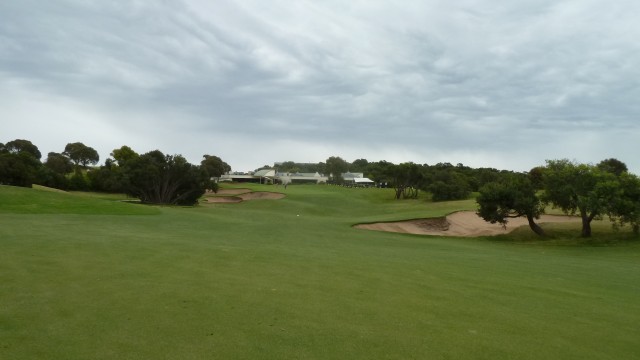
point(491, 79)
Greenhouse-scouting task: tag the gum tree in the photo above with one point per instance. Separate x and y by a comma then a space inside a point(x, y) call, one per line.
point(580, 189)
point(511, 197)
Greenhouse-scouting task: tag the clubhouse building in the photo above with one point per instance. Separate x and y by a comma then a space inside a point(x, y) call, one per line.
point(270, 176)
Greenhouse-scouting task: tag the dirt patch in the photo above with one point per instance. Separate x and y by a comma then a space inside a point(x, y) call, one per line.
point(224, 196)
point(462, 223)
point(230, 192)
point(261, 195)
point(224, 199)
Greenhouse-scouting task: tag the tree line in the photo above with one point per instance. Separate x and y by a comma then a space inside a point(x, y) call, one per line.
point(443, 181)
point(152, 177)
point(589, 191)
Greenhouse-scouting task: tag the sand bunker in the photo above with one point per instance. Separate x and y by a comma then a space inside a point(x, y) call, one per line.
point(261, 195)
point(241, 195)
point(224, 199)
point(462, 223)
point(232, 191)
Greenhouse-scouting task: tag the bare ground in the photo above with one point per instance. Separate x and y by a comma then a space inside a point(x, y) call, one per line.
point(462, 223)
point(241, 195)
point(231, 191)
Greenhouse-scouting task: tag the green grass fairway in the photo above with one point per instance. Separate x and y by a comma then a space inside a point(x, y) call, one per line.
point(90, 277)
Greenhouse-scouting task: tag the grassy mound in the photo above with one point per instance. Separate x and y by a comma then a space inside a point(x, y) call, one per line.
point(39, 200)
point(292, 279)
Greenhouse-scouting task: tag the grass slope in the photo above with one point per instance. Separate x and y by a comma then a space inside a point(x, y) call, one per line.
point(291, 279)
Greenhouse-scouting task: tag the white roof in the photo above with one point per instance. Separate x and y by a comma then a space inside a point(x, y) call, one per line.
point(362, 180)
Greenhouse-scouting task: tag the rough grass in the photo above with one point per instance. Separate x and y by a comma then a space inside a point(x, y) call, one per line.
point(291, 279)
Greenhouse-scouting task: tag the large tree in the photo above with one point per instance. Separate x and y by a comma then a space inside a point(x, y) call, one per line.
point(81, 155)
point(359, 165)
point(26, 146)
point(335, 166)
point(123, 155)
point(58, 163)
point(19, 169)
point(406, 179)
point(156, 178)
point(613, 166)
point(214, 166)
point(512, 196)
point(625, 207)
point(19, 163)
point(580, 189)
point(449, 185)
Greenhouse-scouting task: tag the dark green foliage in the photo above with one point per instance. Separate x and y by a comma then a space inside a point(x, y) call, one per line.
point(580, 189)
point(359, 165)
point(79, 182)
point(124, 154)
point(214, 166)
point(335, 166)
point(108, 178)
point(156, 178)
point(626, 207)
point(18, 169)
point(449, 185)
point(379, 171)
point(613, 166)
point(58, 163)
point(19, 146)
point(536, 176)
point(112, 176)
point(512, 196)
point(19, 163)
point(406, 179)
point(81, 155)
point(49, 178)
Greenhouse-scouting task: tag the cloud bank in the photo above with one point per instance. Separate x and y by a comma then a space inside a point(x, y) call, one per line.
point(485, 83)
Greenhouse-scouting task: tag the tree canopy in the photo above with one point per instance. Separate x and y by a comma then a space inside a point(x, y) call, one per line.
point(512, 196)
point(18, 146)
point(81, 155)
point(214, 166)
point(19, 163)
point(156, 178)
point(335, 166)
point(580, 189)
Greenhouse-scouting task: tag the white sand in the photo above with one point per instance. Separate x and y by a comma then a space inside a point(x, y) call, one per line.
point(462, 223)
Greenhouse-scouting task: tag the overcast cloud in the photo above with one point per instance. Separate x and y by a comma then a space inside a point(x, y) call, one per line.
point(487, 83)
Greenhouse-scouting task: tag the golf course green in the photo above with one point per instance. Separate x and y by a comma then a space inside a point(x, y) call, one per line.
point(88, 276)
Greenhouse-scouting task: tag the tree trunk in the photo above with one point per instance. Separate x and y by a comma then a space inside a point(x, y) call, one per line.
point(586, 224)
point(535, 227)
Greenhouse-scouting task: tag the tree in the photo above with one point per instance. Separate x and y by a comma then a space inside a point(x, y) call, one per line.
point(335, 166)
point(17, 146)
point(214, 166)
point(580, 189)
point(379, 171)
point(19, 163)
point(511, 197)
point(613, 166)
point(359, 165)
point(625, 209)
point(536, 175)
point(81, 155)
point(449, 185)
point(124, 154)
point(406, 179)
point(156, 178)
point(18, 169)
point(54, 172)
point(58, 163)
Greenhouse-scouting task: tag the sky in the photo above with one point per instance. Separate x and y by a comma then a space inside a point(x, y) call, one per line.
point(487, 83)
